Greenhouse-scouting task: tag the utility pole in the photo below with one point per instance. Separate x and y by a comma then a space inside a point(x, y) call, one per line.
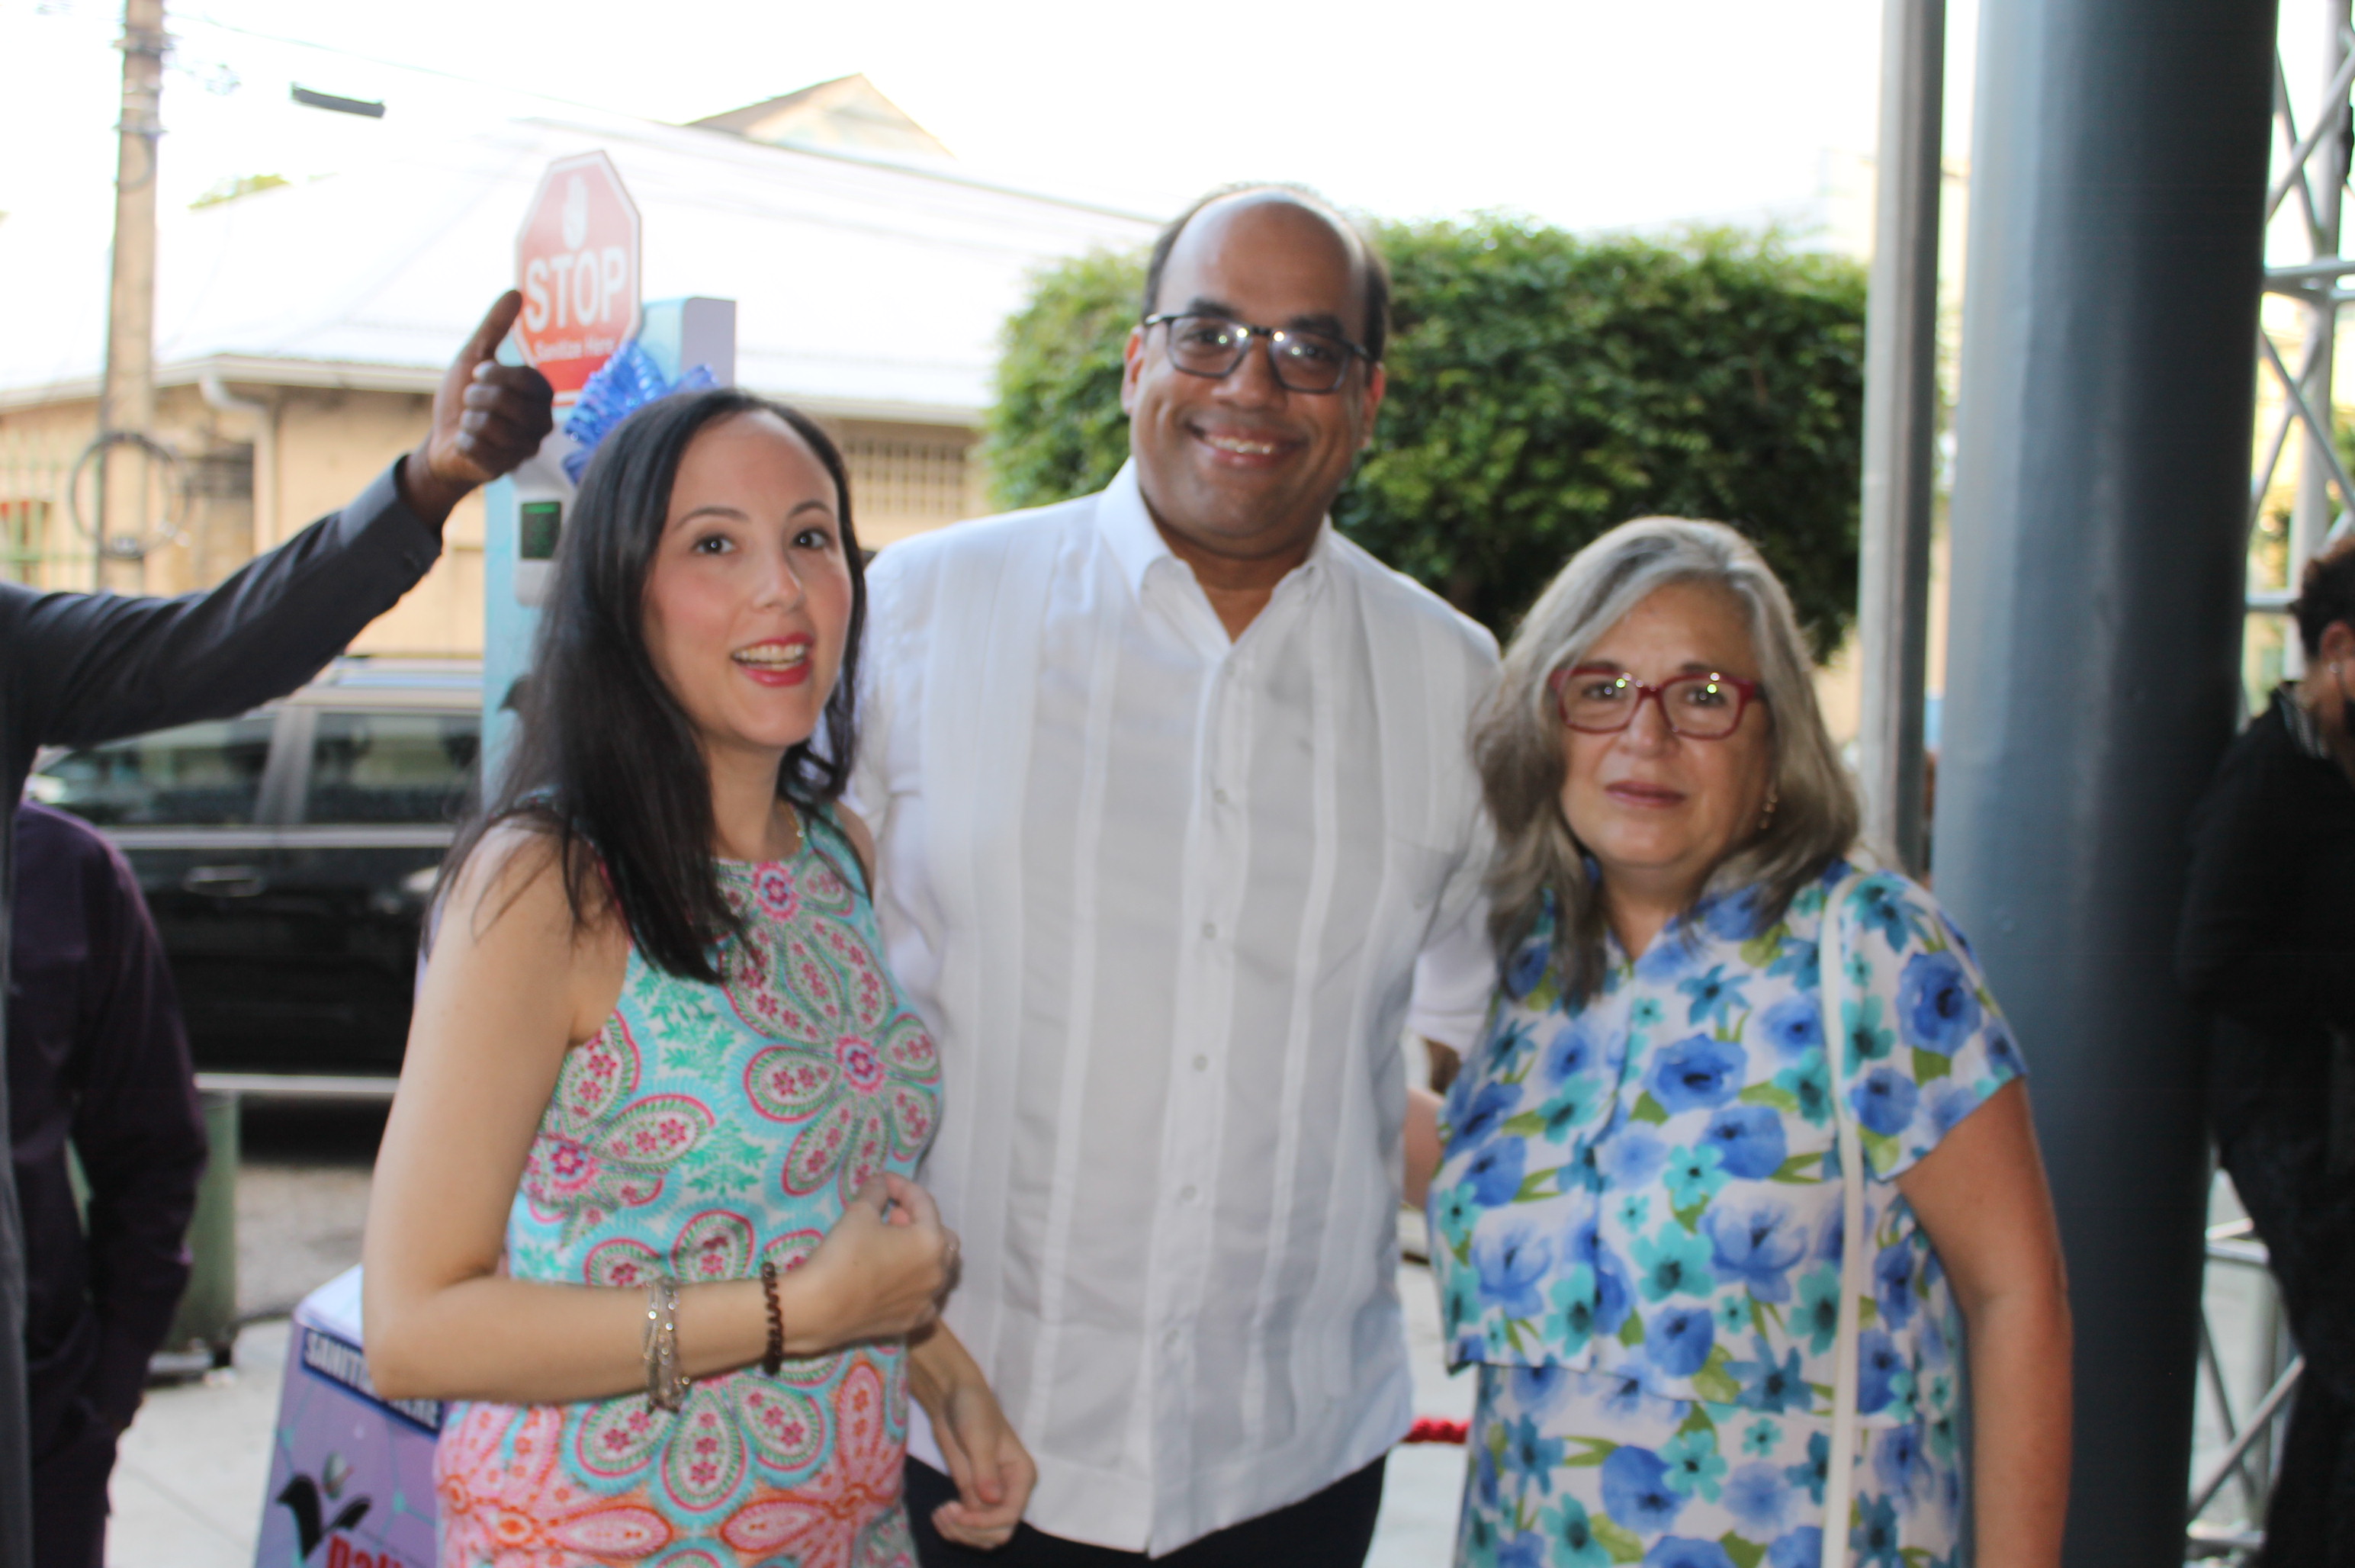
point(126, 407)
point(1900, 412)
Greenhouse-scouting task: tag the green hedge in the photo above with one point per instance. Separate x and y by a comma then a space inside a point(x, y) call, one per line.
point(1543, 388)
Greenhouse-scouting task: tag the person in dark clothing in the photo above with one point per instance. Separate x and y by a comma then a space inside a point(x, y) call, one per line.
point(79, 668)
point(97, 1062)
point(2267, 945)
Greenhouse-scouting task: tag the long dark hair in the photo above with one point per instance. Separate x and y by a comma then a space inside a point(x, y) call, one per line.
point(605, 761)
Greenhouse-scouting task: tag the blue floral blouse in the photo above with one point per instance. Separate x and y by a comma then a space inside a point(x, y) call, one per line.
point(1648, 1186)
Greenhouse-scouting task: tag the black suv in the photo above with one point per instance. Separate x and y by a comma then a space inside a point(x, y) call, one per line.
point(288, 854)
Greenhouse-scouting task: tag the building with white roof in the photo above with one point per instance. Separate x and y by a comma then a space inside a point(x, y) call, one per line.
point(300, 329)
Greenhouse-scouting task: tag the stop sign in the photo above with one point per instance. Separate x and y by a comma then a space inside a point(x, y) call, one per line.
point(577, 264)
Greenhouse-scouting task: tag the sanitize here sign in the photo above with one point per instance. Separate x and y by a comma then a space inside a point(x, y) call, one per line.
point(577, 264)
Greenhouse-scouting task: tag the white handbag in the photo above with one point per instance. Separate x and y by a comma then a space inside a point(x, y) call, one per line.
point(1839, 1483)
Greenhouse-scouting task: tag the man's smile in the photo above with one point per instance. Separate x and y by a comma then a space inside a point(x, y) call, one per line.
point(1255, 445)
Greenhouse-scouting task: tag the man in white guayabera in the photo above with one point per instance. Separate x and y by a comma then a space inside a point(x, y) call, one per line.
point(1178, 837)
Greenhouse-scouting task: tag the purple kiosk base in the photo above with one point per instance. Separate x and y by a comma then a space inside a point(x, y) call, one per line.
point(351, 1475)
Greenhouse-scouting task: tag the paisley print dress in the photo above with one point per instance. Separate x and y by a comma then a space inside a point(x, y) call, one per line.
point(705, 1128)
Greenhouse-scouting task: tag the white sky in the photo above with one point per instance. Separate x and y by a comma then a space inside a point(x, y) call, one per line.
point(1593, 114)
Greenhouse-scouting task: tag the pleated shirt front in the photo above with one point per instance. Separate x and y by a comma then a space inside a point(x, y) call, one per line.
point(1168, 901)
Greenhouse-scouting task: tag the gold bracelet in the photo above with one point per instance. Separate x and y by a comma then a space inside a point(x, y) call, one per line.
point(665, 1385)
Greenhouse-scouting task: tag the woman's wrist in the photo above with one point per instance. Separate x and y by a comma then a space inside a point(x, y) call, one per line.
point(938, 1367)
point(723, 1328)
point(806, 1300)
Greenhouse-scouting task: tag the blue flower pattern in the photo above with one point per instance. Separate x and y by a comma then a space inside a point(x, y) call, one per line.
point(1643, 1194)
point(1681, 1482)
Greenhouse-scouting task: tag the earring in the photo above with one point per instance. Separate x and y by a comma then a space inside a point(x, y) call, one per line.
point(1766, 817)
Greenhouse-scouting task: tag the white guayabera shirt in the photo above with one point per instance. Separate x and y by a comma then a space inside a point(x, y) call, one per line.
point(1167, 902)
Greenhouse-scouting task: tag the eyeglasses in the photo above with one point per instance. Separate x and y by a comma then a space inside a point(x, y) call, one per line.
point(1304, 360)
point(1598, 701)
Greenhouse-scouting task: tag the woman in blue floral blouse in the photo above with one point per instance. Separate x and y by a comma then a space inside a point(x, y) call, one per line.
point(1636, 1217)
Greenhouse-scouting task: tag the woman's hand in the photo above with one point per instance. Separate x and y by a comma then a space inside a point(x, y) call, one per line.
point(879, 1274)
point(993, 1473)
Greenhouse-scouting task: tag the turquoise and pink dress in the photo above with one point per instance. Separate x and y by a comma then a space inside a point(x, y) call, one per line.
point(705, 1128)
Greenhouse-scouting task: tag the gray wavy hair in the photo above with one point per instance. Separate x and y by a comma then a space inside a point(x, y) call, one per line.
point(1516, 740)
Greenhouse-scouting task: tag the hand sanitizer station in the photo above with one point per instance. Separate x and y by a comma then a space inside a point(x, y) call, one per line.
point(523, 514)
point(351, 1473)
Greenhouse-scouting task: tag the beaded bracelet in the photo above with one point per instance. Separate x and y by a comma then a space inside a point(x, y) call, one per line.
point(774, 1357)
point(667, 1386)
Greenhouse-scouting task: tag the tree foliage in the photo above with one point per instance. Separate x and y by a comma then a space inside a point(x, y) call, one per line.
point(1543, 388)
point(1057, 430)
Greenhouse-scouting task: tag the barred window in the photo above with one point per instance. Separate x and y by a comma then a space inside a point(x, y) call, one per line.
point(33, 527)
point(904, 485)
point(24, 538)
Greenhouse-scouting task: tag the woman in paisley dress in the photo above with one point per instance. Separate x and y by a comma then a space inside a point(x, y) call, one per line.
point(656, 1037)
point(1637, 1219)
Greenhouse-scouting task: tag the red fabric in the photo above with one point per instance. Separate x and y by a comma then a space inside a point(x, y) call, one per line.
point(1436, 1429)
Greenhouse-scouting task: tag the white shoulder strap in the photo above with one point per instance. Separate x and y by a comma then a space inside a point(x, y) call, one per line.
point(1839, 1483)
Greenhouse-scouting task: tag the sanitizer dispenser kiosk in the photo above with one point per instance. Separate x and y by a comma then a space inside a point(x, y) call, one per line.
point(523, 514)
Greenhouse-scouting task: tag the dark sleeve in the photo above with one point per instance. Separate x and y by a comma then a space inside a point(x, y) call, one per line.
point(138, 1132)
point(2252, 946)
point(86, 667)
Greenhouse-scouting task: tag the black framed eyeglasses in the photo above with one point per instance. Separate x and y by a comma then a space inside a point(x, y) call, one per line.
point(1304, 360)
point(1597, 699)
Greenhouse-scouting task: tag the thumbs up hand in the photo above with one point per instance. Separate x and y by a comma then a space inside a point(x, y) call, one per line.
point(487, 418)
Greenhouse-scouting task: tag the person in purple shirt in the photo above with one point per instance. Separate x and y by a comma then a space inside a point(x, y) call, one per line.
point(79, 668)
point(98, 1063)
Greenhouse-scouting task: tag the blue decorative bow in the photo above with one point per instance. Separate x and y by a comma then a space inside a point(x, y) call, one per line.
point(624, 384)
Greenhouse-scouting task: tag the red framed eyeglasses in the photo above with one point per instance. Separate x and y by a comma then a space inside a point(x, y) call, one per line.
point(1595, 700)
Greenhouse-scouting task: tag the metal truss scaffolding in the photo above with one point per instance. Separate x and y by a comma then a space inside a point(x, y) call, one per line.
point(2296, 408)
point(2313, 168)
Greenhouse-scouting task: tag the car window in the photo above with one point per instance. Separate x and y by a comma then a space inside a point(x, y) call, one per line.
point(195, 776)
point(391, 765)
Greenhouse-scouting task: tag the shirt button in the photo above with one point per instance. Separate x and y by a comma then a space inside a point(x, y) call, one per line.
point(1209, 930)
point(1220, 795)
point(1202, 1064)
point(1170, 1338)
point(1186, 1194)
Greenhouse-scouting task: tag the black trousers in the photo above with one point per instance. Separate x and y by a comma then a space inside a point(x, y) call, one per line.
point(2311, 1521)
point(1333, 1529)
point(2279, 1157)
point(69, 1500)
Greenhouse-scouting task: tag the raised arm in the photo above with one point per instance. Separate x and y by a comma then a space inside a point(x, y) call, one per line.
point(86, 668)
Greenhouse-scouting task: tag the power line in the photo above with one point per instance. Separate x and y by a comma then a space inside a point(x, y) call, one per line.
point(839, 155)
point(201, 19)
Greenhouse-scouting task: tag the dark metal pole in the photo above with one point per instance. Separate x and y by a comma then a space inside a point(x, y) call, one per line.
point(2118, 188)
point(1900, 412)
